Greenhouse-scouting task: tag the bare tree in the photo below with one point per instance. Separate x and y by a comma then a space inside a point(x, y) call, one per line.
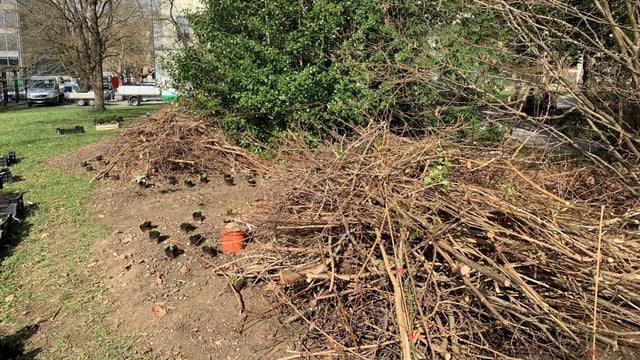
point(604, 37)
point(133, 54)
point(81, 33)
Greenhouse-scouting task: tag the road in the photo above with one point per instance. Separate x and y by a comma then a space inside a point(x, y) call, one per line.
point(23, 104)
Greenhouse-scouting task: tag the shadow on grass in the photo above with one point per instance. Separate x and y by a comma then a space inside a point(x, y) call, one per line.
point(12, 346)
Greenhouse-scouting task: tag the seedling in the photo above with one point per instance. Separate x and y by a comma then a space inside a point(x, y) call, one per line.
point(141, 179)
point(145, 225)
point(154, 234)
point(171, 250)
point(210, 248)
point(197, 215)
point(187, 227)
point(195, 239)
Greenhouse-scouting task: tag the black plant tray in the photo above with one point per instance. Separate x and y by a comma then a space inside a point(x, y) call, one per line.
point(8, 159)
point(73, 130)
point(8, 210)
point(5, 176)
point(16, 199)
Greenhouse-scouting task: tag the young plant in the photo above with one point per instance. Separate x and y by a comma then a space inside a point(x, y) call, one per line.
point(187, 227)
point(141, 179)
point(438, 173)
point(195, 239)
point(145, 225)
point(189, 181)
point(154, 234)
point(210, 248)
point(171, 250)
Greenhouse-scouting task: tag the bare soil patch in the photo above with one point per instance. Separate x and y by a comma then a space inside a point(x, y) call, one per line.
point(176, 308)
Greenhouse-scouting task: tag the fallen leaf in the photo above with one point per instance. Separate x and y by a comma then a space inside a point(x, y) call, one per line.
point(491, 235)
point(128, 265)
point(184, 270)
point(464, 270)
point(10, 298)
point(158, 280)
point(195, 329)
point(158, 311)
point(289, 277)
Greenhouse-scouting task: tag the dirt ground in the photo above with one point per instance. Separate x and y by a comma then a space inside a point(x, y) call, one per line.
point(177, 308)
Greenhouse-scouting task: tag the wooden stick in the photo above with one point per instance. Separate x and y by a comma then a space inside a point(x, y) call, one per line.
point(595, 291)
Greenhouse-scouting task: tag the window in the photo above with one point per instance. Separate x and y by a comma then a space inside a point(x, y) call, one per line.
point(184, 31)
point(12, 42)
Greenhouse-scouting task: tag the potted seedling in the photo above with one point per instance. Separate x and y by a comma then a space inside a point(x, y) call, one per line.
point(172, 179)
point(146, 225)
point(187, 227)
point(228, 179)
point(197, 215)
point(171, 250)
point(141, 180)
point(210, 248)
point(189, 182)
point(195, 239)
point(154, 234)
point(250, 180)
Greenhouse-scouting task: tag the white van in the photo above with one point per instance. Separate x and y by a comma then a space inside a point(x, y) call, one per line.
point(45, 90)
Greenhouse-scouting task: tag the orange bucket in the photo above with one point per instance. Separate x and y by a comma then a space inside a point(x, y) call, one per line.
point(232, 241)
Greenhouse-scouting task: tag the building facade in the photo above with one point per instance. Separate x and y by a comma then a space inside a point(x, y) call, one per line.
point(170, 29)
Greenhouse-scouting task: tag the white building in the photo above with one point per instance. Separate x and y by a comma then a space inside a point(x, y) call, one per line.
point(170, 28)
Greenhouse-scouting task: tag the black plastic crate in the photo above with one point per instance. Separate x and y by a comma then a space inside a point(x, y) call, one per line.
point(4, 161)
point(73, 130)
point(5, 175)
point(17, 199)
point(9, 211)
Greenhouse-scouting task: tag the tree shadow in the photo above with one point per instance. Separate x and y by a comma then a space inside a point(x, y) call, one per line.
point(12, 346)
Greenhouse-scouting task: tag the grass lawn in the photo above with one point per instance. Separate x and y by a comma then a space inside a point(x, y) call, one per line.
point(39, 272)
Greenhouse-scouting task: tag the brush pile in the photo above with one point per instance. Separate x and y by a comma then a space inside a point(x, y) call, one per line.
point(173, 141)
point(386, 247)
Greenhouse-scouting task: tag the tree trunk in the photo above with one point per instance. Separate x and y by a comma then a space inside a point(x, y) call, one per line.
point(97, 86)
point(97, 55)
